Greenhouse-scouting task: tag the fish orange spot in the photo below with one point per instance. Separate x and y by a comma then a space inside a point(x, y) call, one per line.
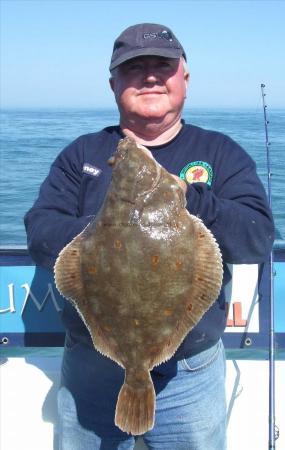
point(168, 312)
point(169, 343)
point(201, 235)
point(154, 260)
point(136, 322)
point(198, 278)
point(154, 349)
point(73, 276)
point(178, 265)
point(92, 269)
point(106, 328)
point(117, 244)
point(189, 307)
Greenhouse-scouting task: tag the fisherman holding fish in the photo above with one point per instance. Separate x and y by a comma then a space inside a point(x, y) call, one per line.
point(138, 222)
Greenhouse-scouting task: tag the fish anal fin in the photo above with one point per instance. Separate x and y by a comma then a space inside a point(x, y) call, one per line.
point(207, 278)
point(166, 351)
point(208, 273)
point(205, 287)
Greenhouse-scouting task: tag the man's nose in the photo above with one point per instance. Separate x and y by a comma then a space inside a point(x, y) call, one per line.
point(151, 75)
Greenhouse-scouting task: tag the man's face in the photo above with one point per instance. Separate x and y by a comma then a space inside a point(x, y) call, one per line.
point(150, 87)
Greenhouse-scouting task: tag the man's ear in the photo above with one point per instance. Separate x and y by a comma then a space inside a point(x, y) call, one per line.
point(111, 82)
point(186, 79)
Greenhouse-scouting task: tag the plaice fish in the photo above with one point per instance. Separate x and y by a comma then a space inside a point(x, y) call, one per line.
point(141, 276)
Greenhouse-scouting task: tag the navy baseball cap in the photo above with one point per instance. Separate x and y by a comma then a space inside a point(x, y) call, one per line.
point(145, 39)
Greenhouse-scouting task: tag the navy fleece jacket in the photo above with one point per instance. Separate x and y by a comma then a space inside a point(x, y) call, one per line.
point(233, 206)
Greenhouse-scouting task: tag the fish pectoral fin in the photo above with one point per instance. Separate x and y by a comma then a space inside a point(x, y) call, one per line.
point(67, 271)
point(136, 403)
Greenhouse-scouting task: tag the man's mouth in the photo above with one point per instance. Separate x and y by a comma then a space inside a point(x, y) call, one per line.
point(151, 92)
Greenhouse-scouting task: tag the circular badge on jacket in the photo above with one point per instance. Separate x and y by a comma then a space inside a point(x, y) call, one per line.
point(197, 172)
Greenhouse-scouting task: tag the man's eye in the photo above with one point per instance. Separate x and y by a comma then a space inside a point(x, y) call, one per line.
point(165, 65)
point(134, 67)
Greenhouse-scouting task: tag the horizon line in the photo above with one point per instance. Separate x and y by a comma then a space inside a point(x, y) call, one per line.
point(115, 109)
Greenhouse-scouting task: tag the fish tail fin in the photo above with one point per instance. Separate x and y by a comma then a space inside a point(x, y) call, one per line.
point(136, 403)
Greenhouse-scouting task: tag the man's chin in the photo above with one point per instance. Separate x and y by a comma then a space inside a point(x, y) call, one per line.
point(151, 114)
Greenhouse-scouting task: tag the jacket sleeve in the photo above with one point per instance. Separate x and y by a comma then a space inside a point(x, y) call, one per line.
point(54, 220)
point(235, 209)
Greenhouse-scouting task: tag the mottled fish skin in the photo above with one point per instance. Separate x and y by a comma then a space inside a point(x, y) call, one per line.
point(141, 276)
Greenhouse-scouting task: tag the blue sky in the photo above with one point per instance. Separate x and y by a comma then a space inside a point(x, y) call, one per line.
point(57, 52)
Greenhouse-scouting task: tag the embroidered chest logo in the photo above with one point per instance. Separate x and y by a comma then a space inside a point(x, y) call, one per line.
point(197, 172)
point(91, 170)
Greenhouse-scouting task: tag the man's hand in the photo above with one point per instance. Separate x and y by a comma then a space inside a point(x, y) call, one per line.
point(181, 183)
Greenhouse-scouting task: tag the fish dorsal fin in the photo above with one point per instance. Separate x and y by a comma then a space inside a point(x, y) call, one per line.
point(67, 271)
point(68, 281)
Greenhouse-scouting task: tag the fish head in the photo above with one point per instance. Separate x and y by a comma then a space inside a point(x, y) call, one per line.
point(135, 170)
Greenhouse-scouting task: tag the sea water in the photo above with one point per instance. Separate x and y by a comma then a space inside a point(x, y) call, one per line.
point(31, 139)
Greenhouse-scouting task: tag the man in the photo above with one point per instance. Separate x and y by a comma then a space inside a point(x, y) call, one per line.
point(149, 79)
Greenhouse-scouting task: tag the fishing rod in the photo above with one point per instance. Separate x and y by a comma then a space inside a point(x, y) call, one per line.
point(272, 429)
